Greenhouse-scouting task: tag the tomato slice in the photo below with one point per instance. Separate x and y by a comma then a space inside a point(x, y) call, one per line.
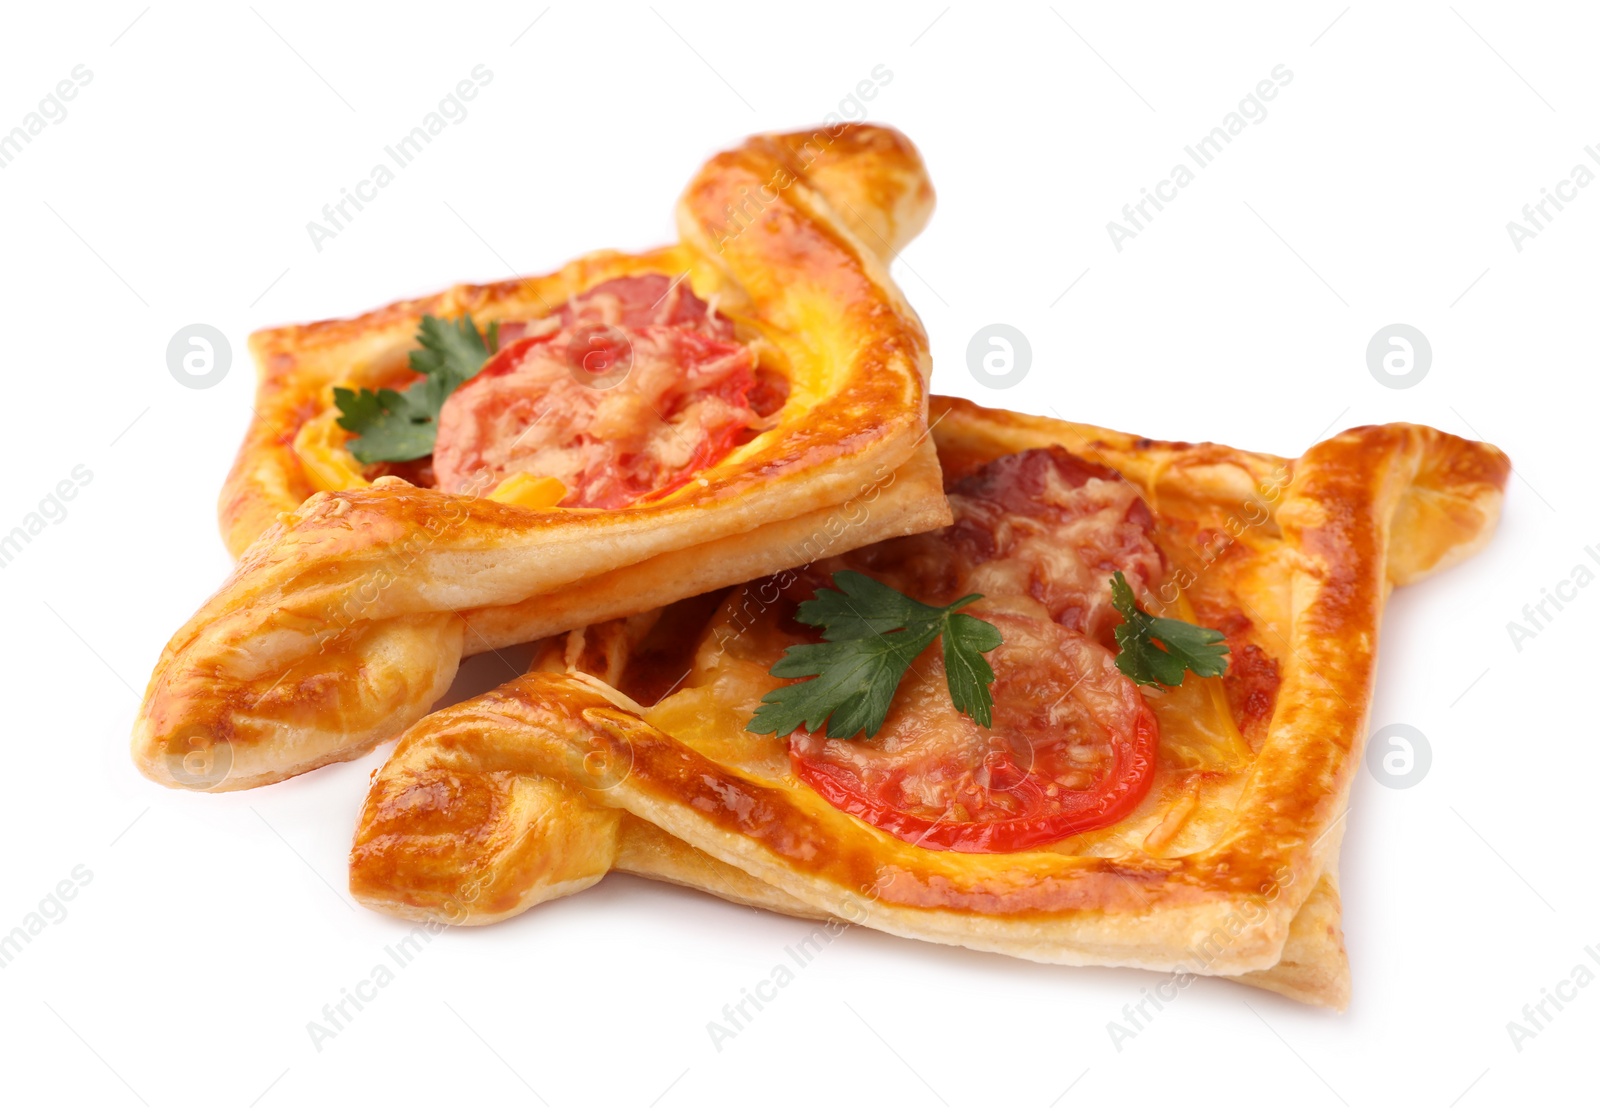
point(624, 394)
point(1072, 749)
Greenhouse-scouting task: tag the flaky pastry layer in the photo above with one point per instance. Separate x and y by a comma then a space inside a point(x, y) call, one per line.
point(349, 611)
point(1228, 867)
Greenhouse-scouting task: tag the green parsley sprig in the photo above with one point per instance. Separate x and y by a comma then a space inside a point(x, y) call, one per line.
point(1157, 651)
point(871, 635)
point(401, 425)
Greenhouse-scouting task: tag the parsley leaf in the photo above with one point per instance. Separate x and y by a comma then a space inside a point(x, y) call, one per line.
point(391, 425)
point(871, 635)
point(400, 425)
point(1159, 651)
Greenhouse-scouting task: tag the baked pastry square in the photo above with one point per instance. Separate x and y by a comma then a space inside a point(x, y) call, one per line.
point(1216, 852)
point(705, 413)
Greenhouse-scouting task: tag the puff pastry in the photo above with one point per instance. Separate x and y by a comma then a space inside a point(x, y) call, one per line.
point(350, 609)
point(1227, 865)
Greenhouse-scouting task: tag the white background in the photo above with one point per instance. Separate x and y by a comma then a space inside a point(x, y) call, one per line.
point(1377, 190)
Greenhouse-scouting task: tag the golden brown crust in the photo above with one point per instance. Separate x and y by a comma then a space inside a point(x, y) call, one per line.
point(1246, 886)
point(799, 275)
point(1313, 967)
point(906, 500)
point(276, 673)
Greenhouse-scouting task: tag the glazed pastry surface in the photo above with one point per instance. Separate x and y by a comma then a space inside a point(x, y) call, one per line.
point(356, 596)
point(619, 752)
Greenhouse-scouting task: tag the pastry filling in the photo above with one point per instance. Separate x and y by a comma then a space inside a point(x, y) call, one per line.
point(1074, 746)
point(623, 395)
point(1072, 743)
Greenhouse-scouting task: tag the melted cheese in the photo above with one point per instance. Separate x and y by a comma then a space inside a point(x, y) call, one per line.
point(711, 715)
point(1197, 726)
point(1200, 743)
point(1197, 729)
point(320, 445)
point(328, 464)
point(537, 493)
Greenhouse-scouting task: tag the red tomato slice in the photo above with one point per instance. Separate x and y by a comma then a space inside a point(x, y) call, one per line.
point(1072, 749)
point(1038, 534)
point(624, 394)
